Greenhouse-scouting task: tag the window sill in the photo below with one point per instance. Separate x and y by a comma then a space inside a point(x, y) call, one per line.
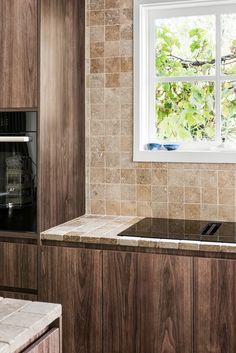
point(183, 156)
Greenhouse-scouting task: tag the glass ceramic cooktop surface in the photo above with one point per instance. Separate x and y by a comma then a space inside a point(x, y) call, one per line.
point(209, 231)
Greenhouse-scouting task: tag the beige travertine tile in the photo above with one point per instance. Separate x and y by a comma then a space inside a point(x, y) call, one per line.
point(227, 196)
point(126, 80)
point(112, 65)
point(159, 209)
point(97, 81)
point(112, 160)
point(192, 194)
point(159, 177)
point(97, 191)
point(176, 210)
point(112, 17)
point(209, 212)
point(113, 207)
point(112, 49)
point(97, 128)
point(126, 64)
point(126, 16)
point(128, 176)
point(97, 159)
point(112, 127)
point(159, 194)
point(176, 194)
point(192, 177)
point(109, 4)
point(175, 177)
point(128, 192)
point(226, 179)
point(113, 175)
point(143, 176)
point(209, 178)
point(97, 50)
point(98, 206)
point(112, 33)
point(126, 48)
point(97, 34)
point(112, 95)
point(112, 143)
point(144, 208)
point(96, 4)
point(97, 175)
point(126, 4)
point(192, 211)
point(209, 195)
point(143, 192)
point(113, 191)
point(129, 208)
point(96, 18)
point(126, 32)
point(97, 111)
point(226, 213)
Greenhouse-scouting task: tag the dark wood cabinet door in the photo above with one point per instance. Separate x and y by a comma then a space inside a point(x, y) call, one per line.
point(18, 53)
point(18, 264)
point(48, 343)
point(215, 306)
point(73, 278)
point(147, 303)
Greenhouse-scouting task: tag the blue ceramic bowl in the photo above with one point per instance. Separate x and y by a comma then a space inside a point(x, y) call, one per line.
point(154, 146)
point(171, 146)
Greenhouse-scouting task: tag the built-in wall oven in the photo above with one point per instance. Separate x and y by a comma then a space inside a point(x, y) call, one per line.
point(18, 171)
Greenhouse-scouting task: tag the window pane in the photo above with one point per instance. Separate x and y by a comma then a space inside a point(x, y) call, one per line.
point(185, 46)
point(228, 99)
point(185, 111)
point(228, 51)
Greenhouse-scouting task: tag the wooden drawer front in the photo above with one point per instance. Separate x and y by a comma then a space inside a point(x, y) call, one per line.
point(48, 343)
point(18, 264)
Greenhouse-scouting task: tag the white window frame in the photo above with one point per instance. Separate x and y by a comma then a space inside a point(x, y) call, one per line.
point(145, 80)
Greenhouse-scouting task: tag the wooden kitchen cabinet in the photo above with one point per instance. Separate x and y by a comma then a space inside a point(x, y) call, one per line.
point(73, 278)
point(147, 303)
point(215, 306)
point(18, 54)
point(48, 343)
point(18, 264)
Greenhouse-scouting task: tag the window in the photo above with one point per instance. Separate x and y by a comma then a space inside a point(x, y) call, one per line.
point(185, 80)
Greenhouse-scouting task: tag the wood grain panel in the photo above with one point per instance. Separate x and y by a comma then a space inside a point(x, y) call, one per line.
point(164, 296)
point(18, 57)
point(120, 318)
point(73, 277)
point(18, 264)
point(147, 303)
point(49, 343)
point(62, 122)
point(215, 306)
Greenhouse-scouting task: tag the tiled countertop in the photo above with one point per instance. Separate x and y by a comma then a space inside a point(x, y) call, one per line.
point(21, 320)
point(104, 229)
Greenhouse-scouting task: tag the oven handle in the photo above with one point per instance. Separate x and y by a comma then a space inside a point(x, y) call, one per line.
point(15, 139)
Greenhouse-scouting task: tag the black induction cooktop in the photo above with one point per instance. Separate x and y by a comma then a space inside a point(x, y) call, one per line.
point(180, 229)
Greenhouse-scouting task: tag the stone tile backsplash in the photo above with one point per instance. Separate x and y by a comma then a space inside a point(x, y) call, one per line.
point(115, 184)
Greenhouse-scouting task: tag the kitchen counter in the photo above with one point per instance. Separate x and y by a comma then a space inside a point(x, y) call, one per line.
point(21, 321)
point(95, 229)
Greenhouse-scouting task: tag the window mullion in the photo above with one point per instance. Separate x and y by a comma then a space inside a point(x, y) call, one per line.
point(218, 78)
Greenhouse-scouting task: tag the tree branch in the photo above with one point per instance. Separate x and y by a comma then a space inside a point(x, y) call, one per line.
point(188, 63)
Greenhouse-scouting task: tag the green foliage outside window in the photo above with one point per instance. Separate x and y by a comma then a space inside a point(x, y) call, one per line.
point(186, 110)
